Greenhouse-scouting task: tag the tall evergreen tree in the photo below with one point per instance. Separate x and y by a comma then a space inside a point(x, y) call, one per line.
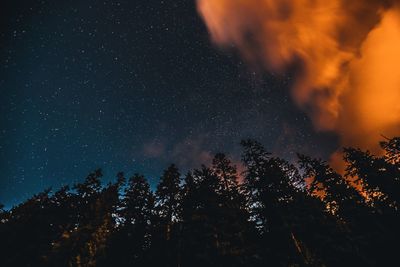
point(227, 174)
point(85, 244)
point(346, 202)
point(168, 210)
point(271, 193)
point(236, 229)
point(27, 235)
point(379, 178)
point(201, 235)
point(340, 196)
point(168, 195)
point(130, 242)
point(392, 149)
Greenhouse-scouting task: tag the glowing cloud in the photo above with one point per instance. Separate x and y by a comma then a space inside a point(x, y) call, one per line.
point(345, 56)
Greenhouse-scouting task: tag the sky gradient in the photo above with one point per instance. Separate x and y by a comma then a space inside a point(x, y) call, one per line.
point(129, 86)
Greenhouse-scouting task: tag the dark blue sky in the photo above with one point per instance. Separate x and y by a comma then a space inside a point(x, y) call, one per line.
point(128, 86)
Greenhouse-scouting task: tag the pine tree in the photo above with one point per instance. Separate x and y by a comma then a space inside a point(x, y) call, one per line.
point(272, 197)
point(392, 150)
point(339, 195)
point(201, 240)
point(168, 196)
point(168, 209)
point(28, 232)
point(139, 216)
point(226, 173)
point(379, 179)
point(346, 202)
point(130, 242)
point(85, 244)
point(379, 176)
point(233, 224)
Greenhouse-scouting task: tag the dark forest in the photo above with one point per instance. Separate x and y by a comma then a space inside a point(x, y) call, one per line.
point(275, 213)
point(121, 124)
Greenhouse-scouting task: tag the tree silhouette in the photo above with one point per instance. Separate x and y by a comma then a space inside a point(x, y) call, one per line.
point(379, 177)
point(130, 241)
point(276, 214)
point(168, 210)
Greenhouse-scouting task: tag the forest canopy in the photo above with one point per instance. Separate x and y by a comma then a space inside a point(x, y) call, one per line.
point(275, 213)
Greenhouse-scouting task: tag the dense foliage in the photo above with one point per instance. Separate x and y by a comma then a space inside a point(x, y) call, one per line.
point(276, 213)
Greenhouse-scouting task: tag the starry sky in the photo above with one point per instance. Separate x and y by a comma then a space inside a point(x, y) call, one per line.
point(129, 86)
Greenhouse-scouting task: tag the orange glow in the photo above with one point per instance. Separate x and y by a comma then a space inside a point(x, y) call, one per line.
point(345, 56)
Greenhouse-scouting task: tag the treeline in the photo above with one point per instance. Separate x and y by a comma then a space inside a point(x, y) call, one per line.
point(277, 215)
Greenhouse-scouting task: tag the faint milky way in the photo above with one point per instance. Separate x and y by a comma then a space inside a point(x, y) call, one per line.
point(130, 86)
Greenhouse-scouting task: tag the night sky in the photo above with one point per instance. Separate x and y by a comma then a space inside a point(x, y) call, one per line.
point(129, 86)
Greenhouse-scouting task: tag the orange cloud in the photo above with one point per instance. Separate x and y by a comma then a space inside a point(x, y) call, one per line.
point(344, 54)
